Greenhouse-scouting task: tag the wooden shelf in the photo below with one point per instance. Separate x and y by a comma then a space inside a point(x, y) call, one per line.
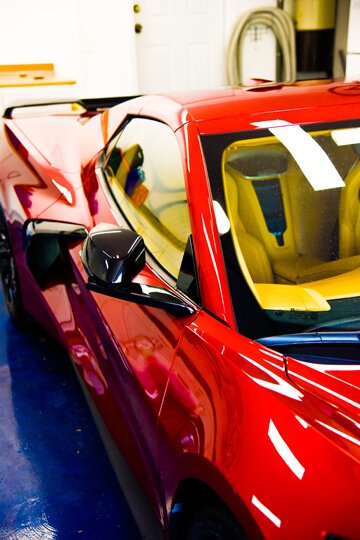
point(19, 75)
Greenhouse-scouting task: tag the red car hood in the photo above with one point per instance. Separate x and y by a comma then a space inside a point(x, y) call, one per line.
point(335, 384)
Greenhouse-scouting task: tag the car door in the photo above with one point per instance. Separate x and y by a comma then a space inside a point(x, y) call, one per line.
point(125, 350)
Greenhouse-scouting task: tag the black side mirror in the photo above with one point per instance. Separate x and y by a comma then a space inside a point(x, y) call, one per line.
point(112, 257)
point(45, 243)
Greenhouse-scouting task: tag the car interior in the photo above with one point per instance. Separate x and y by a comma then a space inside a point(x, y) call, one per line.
point(284, 231)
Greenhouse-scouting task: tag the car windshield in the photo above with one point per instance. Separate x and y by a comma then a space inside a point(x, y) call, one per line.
point(290, 197)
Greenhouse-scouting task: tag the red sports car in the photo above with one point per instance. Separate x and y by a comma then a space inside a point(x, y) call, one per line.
point(198, 255)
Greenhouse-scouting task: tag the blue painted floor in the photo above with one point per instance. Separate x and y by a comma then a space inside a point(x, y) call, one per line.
point(55, 478)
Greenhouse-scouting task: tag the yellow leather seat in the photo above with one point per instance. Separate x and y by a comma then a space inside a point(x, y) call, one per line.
point(349, 214)
point(285, 232)
point(253, 251)
point(307, 269)
point(297, 252)
point(267, 259)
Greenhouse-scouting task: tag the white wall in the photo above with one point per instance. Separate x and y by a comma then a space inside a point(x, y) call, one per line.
point(258, 57)
point(107, 45)
point(91, 41)
point(36, 31)
point(353, 42)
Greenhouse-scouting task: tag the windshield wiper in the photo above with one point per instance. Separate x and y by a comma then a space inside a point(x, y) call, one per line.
point(323, 347)
point(312, 338)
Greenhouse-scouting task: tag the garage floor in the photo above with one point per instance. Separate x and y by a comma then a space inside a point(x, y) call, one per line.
point(55, 479)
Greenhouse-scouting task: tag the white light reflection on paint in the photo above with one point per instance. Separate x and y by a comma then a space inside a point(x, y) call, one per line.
point(340, 433)
point(326, 389)
point(276, 366)
point(349, 419)
point(279, 385)
point(260, 506)
point(278, 357)
point(184, 116)
point(284, 451)
point(64, 191)
point(301, 421)
point(325, 368)
point(273, 354)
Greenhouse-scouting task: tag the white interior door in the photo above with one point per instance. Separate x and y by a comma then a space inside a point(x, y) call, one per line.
point(180, 44)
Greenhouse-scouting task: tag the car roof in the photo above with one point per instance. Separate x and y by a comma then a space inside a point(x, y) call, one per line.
point(231, 108)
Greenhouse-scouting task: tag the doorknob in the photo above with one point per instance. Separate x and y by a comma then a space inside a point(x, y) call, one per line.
point(138, 28)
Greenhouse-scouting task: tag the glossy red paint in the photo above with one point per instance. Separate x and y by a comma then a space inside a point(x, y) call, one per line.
point(269, 439)
point(189, 401)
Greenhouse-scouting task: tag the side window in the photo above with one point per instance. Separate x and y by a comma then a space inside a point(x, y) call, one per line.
point(145, 175)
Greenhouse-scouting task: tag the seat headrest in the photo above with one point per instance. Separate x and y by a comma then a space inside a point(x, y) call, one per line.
point(259, 162)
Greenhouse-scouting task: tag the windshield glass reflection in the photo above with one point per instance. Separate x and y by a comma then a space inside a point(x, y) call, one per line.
point(292, 199)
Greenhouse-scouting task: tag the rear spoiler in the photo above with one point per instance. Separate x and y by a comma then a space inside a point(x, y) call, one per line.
point(89, 104)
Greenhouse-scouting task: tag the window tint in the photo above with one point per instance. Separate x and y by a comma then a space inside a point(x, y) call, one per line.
point(145, 174)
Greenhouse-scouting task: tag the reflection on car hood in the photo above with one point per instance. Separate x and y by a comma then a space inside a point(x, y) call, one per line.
point(336, 384)
point(65, 142)
point(326, 364)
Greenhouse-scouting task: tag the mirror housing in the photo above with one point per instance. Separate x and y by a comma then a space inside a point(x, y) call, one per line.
point(112, 257)
point(45, 242)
